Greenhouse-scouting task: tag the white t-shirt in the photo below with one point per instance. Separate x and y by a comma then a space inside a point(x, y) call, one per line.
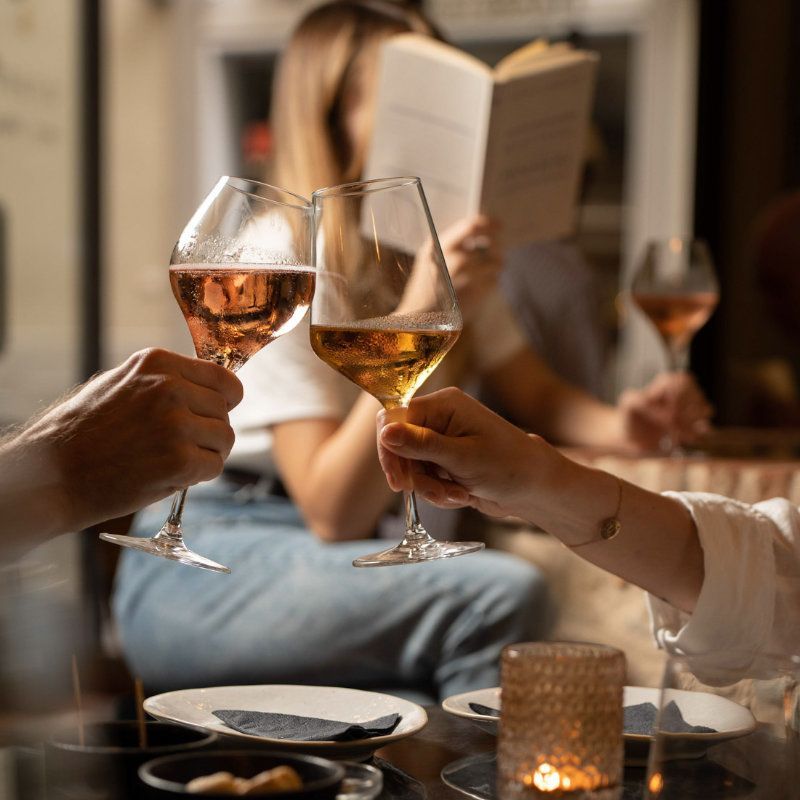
point(286, 381)
point(750, 599)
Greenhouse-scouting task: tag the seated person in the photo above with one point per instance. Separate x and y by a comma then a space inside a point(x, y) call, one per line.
point(295, 609)
point(723, 576)
point(124, 439)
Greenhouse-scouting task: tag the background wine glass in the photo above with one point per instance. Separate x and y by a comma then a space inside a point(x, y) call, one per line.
point(241, 274)
point(675, 286)
point(727, 728)
point(384, 312)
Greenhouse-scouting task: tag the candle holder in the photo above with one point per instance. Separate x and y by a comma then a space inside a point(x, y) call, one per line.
point(561, 721)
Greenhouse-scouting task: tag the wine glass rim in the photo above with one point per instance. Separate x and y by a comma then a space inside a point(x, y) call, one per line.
point(363, 187)
point(302, 202)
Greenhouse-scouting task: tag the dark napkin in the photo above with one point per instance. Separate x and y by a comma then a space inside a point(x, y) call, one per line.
point(641, 719)
point(484, 711)
point(305, 729)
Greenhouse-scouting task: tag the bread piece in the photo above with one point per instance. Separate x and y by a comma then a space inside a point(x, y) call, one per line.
point(217, 782)
point(279, 779)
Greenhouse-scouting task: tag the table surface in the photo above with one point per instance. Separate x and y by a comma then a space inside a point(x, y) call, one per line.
point(754, 766)
point(417, 762)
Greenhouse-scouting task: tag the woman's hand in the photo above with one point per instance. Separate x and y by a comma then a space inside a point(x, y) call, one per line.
point(467, 455)
point(474, 257)
point(672, 407)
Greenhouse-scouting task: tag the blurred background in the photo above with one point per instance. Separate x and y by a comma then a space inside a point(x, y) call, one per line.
point(117, 117)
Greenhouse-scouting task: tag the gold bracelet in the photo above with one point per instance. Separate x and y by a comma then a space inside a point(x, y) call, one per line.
point(609, 527)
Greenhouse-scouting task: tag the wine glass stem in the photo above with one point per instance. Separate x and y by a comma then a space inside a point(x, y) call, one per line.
point(678, 357)
point(414, 530)
point(171, 529)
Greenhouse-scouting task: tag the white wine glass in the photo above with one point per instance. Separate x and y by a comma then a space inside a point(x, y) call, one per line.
point(384, 313)
point(676, 288)
point(241, 274)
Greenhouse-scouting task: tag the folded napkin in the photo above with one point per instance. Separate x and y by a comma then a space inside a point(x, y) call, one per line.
point(304, 729)
point(484, 711)
point(641, 719)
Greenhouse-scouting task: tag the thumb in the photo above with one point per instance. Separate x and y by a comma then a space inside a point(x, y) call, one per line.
point(422, 444)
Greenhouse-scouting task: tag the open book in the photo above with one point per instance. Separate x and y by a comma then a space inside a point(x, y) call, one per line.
point(508, 141)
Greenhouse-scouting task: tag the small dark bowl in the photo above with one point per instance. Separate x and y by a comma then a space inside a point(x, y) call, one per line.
point(168, 776)
point(106, 764)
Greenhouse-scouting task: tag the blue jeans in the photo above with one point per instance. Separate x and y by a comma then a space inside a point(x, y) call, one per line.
point(294, 610)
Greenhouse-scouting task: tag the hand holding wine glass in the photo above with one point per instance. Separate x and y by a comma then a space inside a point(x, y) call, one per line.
point(381, 316)
point(240, 273)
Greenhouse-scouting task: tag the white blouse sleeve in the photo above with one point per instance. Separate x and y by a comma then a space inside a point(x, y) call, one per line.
point(750, 598)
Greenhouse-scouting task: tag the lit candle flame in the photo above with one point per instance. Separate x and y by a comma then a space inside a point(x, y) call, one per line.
point(547, 778)
point(656, 783)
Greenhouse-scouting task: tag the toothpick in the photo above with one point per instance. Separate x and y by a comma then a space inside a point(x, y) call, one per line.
point(140, 712)
point(76, 687)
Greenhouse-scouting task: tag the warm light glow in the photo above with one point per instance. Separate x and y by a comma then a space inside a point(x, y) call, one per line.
point(675, 245)
point(547, 779)
point(656, 783)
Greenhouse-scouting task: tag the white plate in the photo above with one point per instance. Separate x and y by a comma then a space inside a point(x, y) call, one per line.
point(458, 704)
point(194, 707)
point(698, 708)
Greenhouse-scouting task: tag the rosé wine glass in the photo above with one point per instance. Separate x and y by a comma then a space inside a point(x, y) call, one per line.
point(241, 273)
point(676, 288)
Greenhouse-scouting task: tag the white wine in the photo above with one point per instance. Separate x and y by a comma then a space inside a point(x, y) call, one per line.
point(382, 356)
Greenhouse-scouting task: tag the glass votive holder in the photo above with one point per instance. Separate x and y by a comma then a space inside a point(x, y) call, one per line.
point(560, 731)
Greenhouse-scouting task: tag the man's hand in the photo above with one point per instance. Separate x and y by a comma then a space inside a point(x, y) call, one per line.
point(671, 408)
point(128, 437)
point(455, 452)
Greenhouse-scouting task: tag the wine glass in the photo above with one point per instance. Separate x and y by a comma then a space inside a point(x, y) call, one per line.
point(242, 277)
point(724, 731)
point(675, 286)
point(384, 312)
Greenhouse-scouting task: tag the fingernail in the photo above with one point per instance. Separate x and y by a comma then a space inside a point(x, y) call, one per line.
point(393, 435)
point(431, 497)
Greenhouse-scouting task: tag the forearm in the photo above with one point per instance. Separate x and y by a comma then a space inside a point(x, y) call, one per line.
point(341, 491)
point(32, 503)
point(540, 401)
point(657, 547)
point(570, 416)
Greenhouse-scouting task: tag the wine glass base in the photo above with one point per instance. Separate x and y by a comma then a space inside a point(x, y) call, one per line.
point(174, 550)
point(417, 554)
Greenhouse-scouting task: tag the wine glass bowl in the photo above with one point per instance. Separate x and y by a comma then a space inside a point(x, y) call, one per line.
point(241, 274)
point(384, 312)
point(676, 288)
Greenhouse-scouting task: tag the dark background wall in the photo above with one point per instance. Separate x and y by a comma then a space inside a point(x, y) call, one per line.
point(747, 156)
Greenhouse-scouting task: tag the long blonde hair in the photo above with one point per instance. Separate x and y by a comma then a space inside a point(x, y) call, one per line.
point(321, 62)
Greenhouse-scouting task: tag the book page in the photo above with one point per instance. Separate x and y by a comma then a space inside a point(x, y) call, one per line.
point(522, 57)
point(536, 148)
point(431, 121)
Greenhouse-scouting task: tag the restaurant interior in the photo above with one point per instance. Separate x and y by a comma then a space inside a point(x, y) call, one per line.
point(118, 117)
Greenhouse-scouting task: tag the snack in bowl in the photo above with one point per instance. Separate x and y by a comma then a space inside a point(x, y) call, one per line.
point(279, 779)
